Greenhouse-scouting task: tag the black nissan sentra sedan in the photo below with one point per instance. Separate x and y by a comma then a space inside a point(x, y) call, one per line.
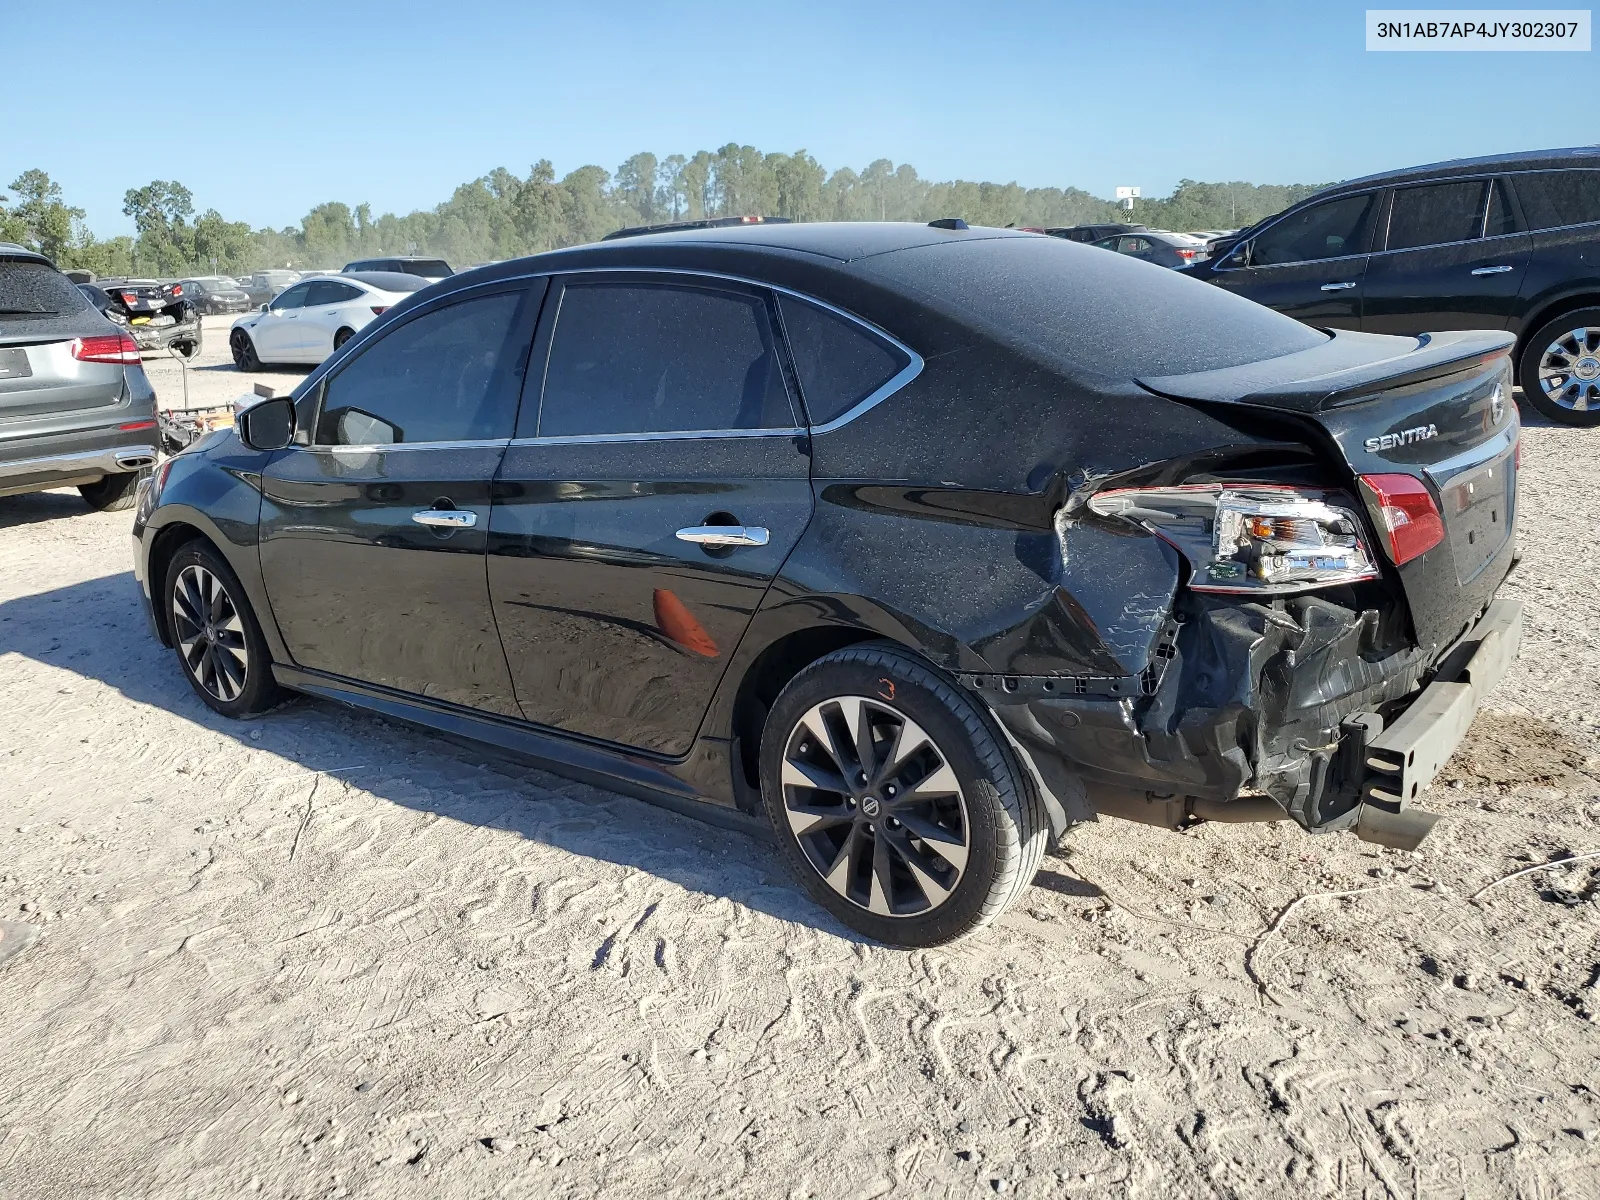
point(922, 543)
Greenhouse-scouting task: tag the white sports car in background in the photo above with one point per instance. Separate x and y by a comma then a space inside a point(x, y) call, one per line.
point(316, 316)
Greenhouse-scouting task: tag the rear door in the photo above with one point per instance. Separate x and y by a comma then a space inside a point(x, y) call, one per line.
point(1310, 264)
point(1453, 258)
point(372, 534)
point(649, 499)
point(330, 306)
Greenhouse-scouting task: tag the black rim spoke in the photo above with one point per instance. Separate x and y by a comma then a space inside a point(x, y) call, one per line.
point(210, 633)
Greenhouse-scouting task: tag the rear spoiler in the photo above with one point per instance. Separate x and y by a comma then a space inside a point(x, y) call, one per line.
point(1345, 367)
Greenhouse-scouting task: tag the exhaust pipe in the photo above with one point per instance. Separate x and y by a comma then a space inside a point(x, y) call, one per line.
point(133, 460)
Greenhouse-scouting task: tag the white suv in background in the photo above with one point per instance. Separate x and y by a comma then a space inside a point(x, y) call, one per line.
point(316, 316)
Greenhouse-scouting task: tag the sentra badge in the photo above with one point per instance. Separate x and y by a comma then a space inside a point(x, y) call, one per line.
point(1404, 438)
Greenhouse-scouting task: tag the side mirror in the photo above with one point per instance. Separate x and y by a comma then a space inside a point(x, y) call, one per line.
point(265, 305)
point(1239, 256)
point(268, 425)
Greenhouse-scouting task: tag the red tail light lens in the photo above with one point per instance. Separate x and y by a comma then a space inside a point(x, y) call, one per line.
point(106, 348)
point(130, 297)
point(1406, 515)
point(379, 309)
point(1184, 254)
point(131, 426)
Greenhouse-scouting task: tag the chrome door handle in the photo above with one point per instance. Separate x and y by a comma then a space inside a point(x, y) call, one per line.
point(1491, 270)
point(1337, 287)
point(724, 535)
point(446, 518)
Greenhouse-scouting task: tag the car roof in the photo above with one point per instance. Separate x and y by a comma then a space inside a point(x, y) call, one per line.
point(21, 253)
point(1526, 160)
point(843, 241)
point(383, 281)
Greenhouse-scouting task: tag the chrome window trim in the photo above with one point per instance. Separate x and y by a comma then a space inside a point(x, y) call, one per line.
point(371, 447)
point(675, 435)
point(910, 371)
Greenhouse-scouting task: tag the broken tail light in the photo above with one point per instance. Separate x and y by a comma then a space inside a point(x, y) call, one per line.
point(1405, 513)
point(106, 348)
point(1266, 540)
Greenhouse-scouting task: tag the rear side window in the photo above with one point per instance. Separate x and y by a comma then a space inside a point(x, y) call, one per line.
point(660, 358)
point(442, 377)
point(329, 292)
point(1436, 214)
point(1552, 199)
point(839, 363)
point(1331, 229)
point(35, 289)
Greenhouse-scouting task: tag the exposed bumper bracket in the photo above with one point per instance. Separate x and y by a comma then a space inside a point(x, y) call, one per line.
point(1403, 760)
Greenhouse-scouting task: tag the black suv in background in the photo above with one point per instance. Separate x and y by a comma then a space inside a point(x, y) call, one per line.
point(76, 409)
point(1511, 242)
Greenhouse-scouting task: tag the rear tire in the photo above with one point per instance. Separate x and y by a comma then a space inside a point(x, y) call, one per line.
point(244, 351)
point(340, 338)
point(113, 493)
point(933, 837)
point(215, 634)
point(1560, 368)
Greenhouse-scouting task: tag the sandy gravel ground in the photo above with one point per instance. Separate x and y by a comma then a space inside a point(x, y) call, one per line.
point(318, 954)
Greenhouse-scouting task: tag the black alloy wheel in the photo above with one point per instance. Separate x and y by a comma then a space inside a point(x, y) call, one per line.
point(216, 635)
point(898, 804)
point(244, 351)
point(343, 336)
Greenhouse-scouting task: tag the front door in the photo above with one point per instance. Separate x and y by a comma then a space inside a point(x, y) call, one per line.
point(276, 333)
point(1454, 259)
point(646, 504)
point(373, 535)
point(1311, 265)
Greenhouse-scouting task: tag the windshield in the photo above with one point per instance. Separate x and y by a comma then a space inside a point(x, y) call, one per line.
point(35, 289)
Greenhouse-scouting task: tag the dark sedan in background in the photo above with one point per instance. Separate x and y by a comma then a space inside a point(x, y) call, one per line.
point(213, 294)
point(1157, 246)
point(924, 543)
point(158, 316)
point(1509, 242)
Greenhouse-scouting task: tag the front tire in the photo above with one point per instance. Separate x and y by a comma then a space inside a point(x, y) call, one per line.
point(215, 633)
point(244, 351)
point(1560, 368)
point(113, 493)
point(895, 800)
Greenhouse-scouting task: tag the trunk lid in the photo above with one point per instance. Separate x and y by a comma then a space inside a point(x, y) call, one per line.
point(1437, 408)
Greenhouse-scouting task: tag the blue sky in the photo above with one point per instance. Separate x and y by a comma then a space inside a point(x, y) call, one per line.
point(288, 104)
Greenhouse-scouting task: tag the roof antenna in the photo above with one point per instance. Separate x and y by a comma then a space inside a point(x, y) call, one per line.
point(948, 223)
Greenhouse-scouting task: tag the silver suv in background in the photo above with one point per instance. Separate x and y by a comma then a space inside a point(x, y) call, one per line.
point(76, 408)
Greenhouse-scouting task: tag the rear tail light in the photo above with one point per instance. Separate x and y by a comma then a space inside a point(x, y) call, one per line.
point(379, 309)
point(132, 426)
point(177, 289)
point(1405, 513)
point(1186, 255)
point(106, 348)
point(130, 297)
point(1262, 539)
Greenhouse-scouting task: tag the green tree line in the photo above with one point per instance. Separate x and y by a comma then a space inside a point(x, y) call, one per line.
point(504, 215)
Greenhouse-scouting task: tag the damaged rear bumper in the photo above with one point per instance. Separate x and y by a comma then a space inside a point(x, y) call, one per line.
point(1312, 706)
point(1403, 759)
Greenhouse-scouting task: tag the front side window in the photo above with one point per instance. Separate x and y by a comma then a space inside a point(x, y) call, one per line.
point(839, 363)
point(442, 377)
point(295, 297)
point(1554, 199)
point(661, 358)
point(1331, 229)
point(1436, 214)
